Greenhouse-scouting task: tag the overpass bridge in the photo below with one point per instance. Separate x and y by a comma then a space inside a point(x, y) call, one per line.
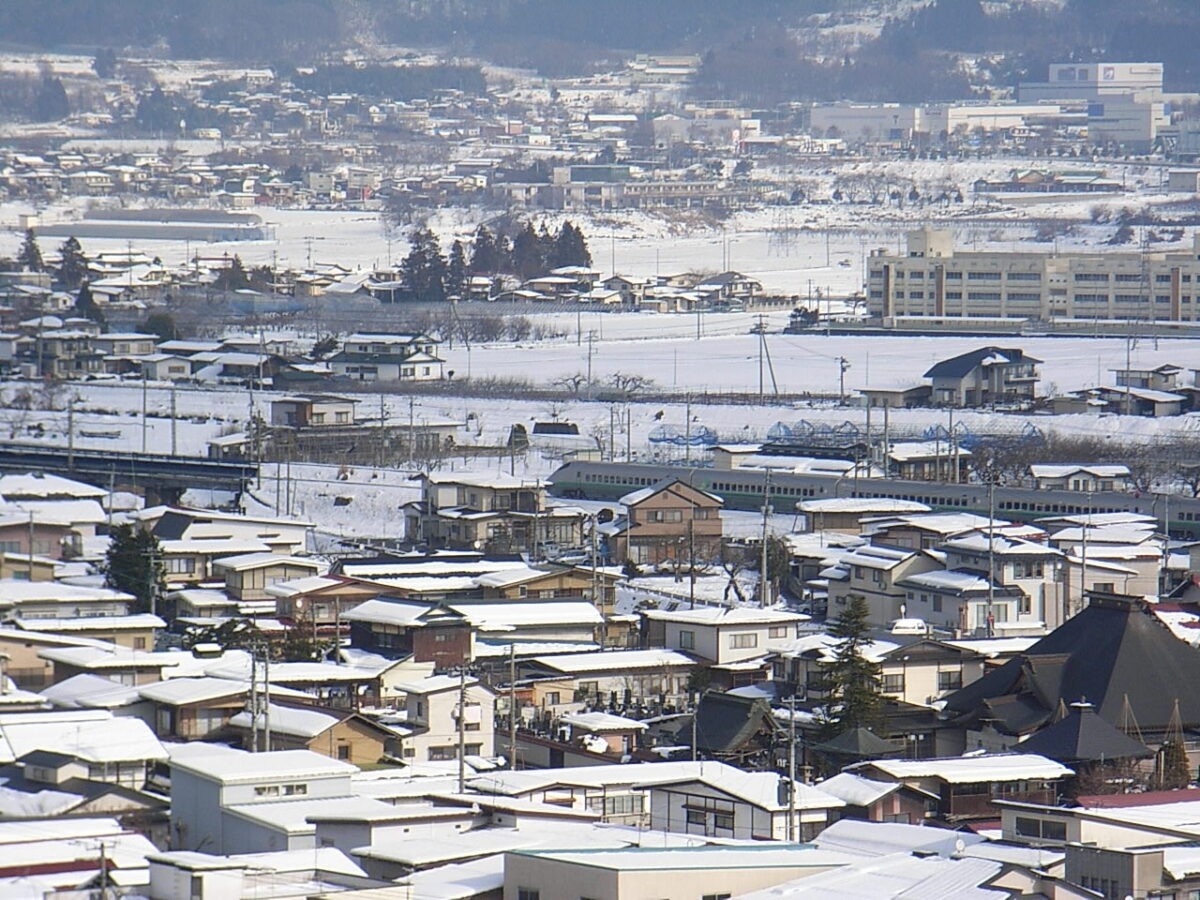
point(158, 473)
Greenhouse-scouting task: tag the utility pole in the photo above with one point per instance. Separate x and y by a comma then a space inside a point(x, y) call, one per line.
point(70, 442)
point(174, 423)
point(691, 563)
point(266, 706)
point(591, 342)
point(412, 430)
point(764, 589)
point(628, 433)
point(253, 700)
point(991, 610)
point(462, 730)
point(843, 365)
point(791, 829)
point(144, 384)
point(512, 702)
point(687, 429)
point(953, 449)
point(761, 328)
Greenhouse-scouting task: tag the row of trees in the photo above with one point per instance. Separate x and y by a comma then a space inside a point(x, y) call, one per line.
point(435, 276)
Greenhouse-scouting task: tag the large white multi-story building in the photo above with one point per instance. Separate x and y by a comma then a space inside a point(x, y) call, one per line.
point(1093, 81)
point(934, 279)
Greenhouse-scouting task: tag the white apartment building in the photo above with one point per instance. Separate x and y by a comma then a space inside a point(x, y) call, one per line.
point(933, 278)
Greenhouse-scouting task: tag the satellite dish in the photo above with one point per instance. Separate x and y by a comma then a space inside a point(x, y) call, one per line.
point(959, 846)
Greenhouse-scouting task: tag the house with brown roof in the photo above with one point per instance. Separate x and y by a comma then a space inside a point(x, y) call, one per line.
point(668, 521)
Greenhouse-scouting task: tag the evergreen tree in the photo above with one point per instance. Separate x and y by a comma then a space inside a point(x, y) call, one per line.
point(570, 247)
point(851, 682)
point(86, 306)
point(456, 270)
point(527, 259)
point(30, 255)
point(51, 103)
point(161, 324)
point(133, 564)
point(233, 277)
point(484, 260)
point(1175, 774)
point(105, 63)
point(424, 268)
point(72, 268)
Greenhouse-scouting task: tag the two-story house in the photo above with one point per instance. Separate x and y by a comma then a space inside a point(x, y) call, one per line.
point(388, 357)
point(668, 521)
point(435, 705)
point(1037, 570)
point(720, 634)
point(967, 785)
point(312, 411)
point(984, 377)
point(1080, 477)
point(497, 513)
point(873, 573)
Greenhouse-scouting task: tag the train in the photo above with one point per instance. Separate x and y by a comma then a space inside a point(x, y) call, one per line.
point(747, 488)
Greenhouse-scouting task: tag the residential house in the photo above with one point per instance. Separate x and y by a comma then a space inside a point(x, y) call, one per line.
point(435, 706)
point(1039, 571)
point(725, 802)
point(1081, 478)
point(846, 515)
point(879, 801)
point(115, 749)
point(873, 573)
point(337, 734)
point(247, 576)
point(225, 800)
point(929, 461)
point(319, 600)
point(668, 521)
point(924, 531)
point(721, 634)
point(986, 377)
point(54, 600)
point(965, 601)
point(19, 649)
point(195, 708)
point(631, 676)
point(494, 513)
point(136, 632)
point(312, 410)
point(387, 357)
point(1161, 378)
point(967, 786)
point(165, 367)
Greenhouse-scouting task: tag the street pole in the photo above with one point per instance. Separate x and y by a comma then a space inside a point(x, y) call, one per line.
point(462, 732)
point(512, 706)
point(791, 829)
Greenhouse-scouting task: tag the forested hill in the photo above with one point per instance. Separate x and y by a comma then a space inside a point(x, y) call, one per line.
point(756, 49)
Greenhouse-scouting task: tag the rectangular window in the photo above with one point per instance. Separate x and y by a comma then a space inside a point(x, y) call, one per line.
point(743, 641)
point(723, 821)
point(983, 276)
point(1091, 276)
point(524, 893)
point(687, 640)
point(893, 684)
point(777, 631)
point(1024, 276)
point(954, 276)
point(983, 295)
point(695, 817)
point(949, 681)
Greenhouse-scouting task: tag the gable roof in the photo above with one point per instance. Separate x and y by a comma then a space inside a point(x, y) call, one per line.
point(859, 743)
point(633, 498)
point(964, 363)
